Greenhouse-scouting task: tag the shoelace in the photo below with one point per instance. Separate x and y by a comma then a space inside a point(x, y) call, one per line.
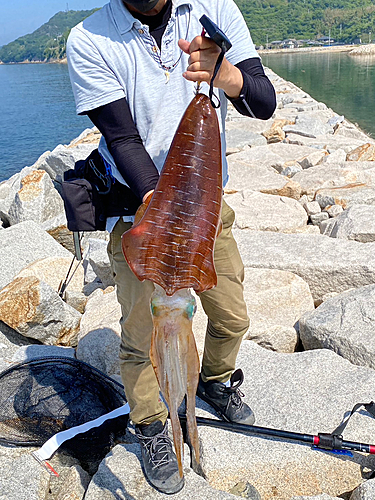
point(235, 394)
point(158, 448)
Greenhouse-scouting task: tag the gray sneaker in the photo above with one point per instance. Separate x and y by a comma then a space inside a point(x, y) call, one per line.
point(227, 401)
point(159, 460)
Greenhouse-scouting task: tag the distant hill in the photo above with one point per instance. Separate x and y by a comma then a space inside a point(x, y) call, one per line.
point(268, 20)
point(343, 20)
point(46, 43)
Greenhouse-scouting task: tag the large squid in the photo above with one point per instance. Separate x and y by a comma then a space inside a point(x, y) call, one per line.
point(172, 246)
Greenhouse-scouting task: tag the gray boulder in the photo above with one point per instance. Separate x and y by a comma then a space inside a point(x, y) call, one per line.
point(313, 159)
point(278, 338)
point(99, 336)
point(244, 175)
point(251, 176)
point(236, 121)
point(346, 196)
point(291, 170)
point(21, 477)
point(326, 264)
point(344, 323)
point(57, 228)
point(89, 136)
point(78, 300)
point(265, 212)
point(10, 342)
point(23, 244)
point(366, 491)
point(317, 219)
point(37, 199)
point(336, 120)
point(311, 207)
point(238, 139)
point(308, 126)
point(275, 302)
point(120, 476)
point(96, 259)
point(351, 131)
point(63, 158)
point(355, 223)
point(53, 270)
point(328, 142)
point(326, 226)
point(8, 191)
point(274, 155)
point(74, 484)
point(334, 210)
point(83, 150)
point(34, 309)
point(56, 163)
point(309, 105)
point(330, 176)
point(335, 158)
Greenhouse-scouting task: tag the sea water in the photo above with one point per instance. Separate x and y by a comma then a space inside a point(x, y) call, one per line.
point(345, 83)
point(37, 113)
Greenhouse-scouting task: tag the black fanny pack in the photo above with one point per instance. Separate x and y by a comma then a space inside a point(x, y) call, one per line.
point(91, 194)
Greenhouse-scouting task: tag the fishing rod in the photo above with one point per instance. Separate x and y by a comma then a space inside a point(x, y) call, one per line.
point(333, 442)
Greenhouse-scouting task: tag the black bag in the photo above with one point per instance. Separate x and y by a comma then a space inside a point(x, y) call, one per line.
point(91, 194)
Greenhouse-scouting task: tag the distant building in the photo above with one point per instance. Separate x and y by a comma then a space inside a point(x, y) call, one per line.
point(289, 43)
point(314, 42)
point(326, 39)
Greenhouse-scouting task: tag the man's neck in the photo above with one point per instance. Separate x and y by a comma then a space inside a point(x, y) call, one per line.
point(153, 12)
point(158, 20)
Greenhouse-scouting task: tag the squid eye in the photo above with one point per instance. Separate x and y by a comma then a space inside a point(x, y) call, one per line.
point(191, 310)
point(154, 309)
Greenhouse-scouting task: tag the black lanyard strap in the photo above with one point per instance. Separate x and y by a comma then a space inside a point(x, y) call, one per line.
point(216, 71)
point(370, 407)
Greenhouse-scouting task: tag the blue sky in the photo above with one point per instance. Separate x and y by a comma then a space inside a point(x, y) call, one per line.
point(19, 17)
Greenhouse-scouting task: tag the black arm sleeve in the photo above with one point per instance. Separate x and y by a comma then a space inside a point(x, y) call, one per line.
point(115, 122)
point(257, 90)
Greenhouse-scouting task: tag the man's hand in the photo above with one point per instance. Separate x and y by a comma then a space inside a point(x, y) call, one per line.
point(142, 208)
point(203, 56)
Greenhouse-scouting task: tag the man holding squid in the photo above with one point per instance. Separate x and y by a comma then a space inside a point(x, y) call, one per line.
point(133, 67)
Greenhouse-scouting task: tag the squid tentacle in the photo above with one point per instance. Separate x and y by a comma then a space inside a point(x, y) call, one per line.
point(175, 359)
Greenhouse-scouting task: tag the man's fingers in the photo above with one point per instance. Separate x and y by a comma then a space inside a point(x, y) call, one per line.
point(201, 43)
point(206, 58)
point(203, 56)
point(200, 66)
point(197, 76)
point(184, 45)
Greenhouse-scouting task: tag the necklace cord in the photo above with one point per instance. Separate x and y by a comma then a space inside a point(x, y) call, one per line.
point(175, 64)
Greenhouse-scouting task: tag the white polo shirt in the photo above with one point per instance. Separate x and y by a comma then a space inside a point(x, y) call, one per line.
point(111, 55)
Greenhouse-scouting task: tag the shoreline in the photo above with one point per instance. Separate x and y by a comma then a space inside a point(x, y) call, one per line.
point(53, 61)
point(330, 48)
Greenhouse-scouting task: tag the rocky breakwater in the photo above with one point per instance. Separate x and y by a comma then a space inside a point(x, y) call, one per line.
point(363, 50)
point(303, 188)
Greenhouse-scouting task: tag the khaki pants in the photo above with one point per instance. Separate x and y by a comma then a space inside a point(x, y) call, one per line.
point(224, 306)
